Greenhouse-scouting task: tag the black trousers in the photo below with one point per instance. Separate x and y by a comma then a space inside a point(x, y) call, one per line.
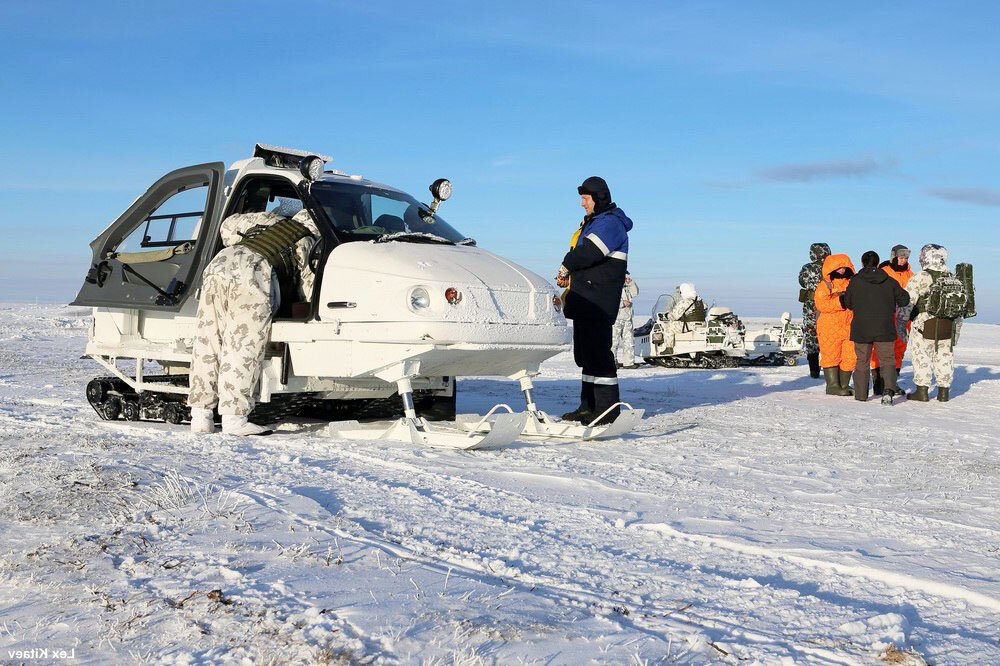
point(593, 354)
point(886, 359)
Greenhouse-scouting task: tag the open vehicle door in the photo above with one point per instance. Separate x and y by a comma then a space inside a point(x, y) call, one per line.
point(152, 256)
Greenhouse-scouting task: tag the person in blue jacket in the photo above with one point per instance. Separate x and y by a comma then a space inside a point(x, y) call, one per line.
point(594, 270)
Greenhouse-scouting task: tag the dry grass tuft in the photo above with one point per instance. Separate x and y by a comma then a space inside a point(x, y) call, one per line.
point(895, 655)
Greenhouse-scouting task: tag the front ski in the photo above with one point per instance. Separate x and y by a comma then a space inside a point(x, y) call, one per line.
point(503, 430)
point(541, 425)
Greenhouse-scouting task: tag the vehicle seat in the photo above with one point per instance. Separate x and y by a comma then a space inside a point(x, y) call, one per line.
point(391, 223)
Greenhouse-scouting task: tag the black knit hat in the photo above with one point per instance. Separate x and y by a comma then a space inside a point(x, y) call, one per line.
point(597, 188)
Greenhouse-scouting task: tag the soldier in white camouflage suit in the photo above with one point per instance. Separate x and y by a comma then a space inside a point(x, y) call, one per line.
point(621, 334)
point(931, 358)
point(239, 295)
point(683, 312)
point(810, 276)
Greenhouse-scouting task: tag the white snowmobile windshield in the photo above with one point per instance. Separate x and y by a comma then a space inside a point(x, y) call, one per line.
point(663, 304)
point(365, 213)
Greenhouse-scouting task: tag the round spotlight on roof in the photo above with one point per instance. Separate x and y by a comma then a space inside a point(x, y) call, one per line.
point(441, 189)
point(311, 167)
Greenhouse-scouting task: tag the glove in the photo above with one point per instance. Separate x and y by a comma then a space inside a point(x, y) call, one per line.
point(562, 277)
point(901, 332)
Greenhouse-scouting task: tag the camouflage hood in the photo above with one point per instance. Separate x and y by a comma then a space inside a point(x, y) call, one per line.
point(818, 252)
point(934, 257)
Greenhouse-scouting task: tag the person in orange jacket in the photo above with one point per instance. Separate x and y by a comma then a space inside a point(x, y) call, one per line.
point(833, 327)
point(898, 268)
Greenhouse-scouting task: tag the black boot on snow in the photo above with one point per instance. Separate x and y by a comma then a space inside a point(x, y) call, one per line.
point(832, 376)
point(581, 414)
point(878, 384)
point(606, 395)
point(607, 418)
point(920, 394)
point(943, 393)
point(585, 412)
point(845, 383)
point(887, 398)
point(813, 365)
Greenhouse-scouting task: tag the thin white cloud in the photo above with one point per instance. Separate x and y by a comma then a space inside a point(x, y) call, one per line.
point(801, 173)
point(979, 196)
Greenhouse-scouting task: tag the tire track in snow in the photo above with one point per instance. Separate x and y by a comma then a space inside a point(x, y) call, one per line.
point(928, 587)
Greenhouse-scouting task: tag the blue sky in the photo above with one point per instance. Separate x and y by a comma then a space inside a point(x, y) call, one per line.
point(734, 134)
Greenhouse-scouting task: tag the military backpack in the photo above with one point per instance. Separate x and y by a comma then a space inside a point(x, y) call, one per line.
point(947, 297)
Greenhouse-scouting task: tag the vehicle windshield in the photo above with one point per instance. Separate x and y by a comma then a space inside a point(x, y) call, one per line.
point(363, 212)
point(663, 304)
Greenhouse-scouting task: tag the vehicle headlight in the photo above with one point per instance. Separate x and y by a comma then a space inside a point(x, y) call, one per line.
point(419, 299)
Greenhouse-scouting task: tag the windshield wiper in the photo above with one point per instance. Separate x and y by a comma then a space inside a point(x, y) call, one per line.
point(413, 236)
point(467, 241)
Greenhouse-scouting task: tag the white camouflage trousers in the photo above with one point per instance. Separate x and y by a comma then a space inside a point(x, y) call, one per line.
point(234, 323)
point(930, 357)
point(670, 332)
point(621, 336)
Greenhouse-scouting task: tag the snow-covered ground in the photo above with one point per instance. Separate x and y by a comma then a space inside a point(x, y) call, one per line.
point(753, 519)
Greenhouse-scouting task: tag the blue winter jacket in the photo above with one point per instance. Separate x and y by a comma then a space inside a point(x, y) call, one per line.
point(597, 266)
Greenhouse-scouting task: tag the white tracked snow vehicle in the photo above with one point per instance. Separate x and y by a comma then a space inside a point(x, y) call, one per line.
point(720, 340)
point(403, 303)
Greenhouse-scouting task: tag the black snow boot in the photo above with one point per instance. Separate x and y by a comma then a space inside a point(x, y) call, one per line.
point(920, 394)
point(878, 384)
point(813, 364)
point(943, 393)
point(585, 412)
point(845, 383)
point(605, 395)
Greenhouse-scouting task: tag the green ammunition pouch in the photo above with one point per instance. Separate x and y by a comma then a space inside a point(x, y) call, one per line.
point(806, 295)
point(275, 244)
point(694, 313)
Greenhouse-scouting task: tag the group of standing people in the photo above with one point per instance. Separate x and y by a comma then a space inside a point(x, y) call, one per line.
point(847, 316)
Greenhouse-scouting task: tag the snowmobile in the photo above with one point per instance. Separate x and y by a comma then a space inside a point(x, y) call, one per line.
point(780, 344)
point(403, 303)
point(719, 341)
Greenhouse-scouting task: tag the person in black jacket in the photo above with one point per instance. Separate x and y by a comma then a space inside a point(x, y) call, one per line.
point(873, 297)
point(594, 270)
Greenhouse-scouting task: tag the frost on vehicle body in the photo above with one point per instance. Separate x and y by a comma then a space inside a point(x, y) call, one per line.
point(402, 302)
